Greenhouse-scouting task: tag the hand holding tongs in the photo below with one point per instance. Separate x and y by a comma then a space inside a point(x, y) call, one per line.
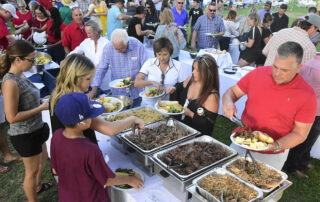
point(256, 168)
point(238, 121)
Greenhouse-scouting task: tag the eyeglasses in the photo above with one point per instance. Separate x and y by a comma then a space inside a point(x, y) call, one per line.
point(180, 2)
point(39, 13)
point(212, 10)
point(33, 60)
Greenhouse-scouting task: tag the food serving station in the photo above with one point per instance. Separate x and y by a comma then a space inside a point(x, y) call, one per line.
point(181, 158)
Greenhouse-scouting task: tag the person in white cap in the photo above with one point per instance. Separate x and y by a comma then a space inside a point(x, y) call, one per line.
point(7, 12)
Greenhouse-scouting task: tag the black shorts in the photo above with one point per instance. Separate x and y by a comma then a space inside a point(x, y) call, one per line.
point(30, 144)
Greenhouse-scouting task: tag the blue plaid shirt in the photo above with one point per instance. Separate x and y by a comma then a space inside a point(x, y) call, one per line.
point(206, 25)
point(122, 65)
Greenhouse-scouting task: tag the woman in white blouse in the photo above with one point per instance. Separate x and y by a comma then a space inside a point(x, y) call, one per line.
point(92, 47)
point(161, 71)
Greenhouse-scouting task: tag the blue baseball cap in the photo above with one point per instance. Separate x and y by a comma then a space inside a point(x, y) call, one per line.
point(74, 107)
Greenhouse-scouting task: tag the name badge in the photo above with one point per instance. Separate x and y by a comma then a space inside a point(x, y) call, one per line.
point(134, 58)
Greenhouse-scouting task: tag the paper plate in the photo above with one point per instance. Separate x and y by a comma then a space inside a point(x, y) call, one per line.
point(151, 24)
point(112, 100)
point(245, 146)
point(113, 84)
point(165, 112)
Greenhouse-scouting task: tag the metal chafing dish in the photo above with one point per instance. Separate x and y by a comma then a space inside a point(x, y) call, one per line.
point(204, 138)
point(176, 184)
point(144, 156)
point(220, 172)
point(265, 191)
point(275, 195)
point(115, 140)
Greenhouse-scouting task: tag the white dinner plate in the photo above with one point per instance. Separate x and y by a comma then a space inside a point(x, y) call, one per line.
point(112, 100)
point(113, 84)
point(165, 112)
point(245, 146)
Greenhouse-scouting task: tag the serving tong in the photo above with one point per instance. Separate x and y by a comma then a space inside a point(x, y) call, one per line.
point(256, 168)
point(238, 121)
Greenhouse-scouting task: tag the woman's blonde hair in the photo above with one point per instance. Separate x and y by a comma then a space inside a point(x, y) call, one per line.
point(256, 18)
point(166, 17)
point(72, 70)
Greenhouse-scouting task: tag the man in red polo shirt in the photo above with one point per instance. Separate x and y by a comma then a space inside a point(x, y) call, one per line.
point(74, 33)
point(7, 12)
point(280, 103)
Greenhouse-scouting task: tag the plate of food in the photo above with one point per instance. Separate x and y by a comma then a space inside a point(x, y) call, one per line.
point(169, 107)
point(215, 51)
point(42, 60)
point(127, 172)
point(152, 93)
point(40, 46)
point(121, 83)
point(111, 104)
point(252, 140)
point(214, 34)
point(151, 24)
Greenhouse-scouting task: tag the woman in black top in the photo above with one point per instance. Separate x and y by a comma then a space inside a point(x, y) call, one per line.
point(76, 75)
point(252, 50)
point(266, 36)
point(135, 25)
point(152, 16)
point(199, 94)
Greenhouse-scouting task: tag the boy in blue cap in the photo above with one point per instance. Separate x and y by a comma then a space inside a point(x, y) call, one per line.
point(79, 164)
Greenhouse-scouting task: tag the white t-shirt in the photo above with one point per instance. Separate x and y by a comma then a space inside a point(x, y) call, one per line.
point(88, 49)
point(173, 75)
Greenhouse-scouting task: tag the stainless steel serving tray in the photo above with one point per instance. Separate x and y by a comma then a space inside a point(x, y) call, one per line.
point(220, 172)
point(136, 109)
point(273, 196)
point(179, 125)
point(203, 138)
point(265, 191)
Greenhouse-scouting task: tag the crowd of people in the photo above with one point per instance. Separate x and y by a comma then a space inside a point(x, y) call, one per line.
point(89, 41)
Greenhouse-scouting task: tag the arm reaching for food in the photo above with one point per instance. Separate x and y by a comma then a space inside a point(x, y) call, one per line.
point(113, 128)
point(229, 98)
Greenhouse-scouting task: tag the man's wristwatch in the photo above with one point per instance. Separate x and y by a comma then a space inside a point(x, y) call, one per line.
point(278, 147)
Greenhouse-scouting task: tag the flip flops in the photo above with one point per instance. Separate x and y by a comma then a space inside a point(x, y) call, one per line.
point(44, 187)
point(16, 159)
point(4, 169)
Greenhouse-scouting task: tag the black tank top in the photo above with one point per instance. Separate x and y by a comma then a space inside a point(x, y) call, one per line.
point(204, 122)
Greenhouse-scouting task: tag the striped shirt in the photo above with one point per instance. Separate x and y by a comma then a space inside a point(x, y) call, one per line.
point(206, 25)
point(294, 34)
point(122, 65)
